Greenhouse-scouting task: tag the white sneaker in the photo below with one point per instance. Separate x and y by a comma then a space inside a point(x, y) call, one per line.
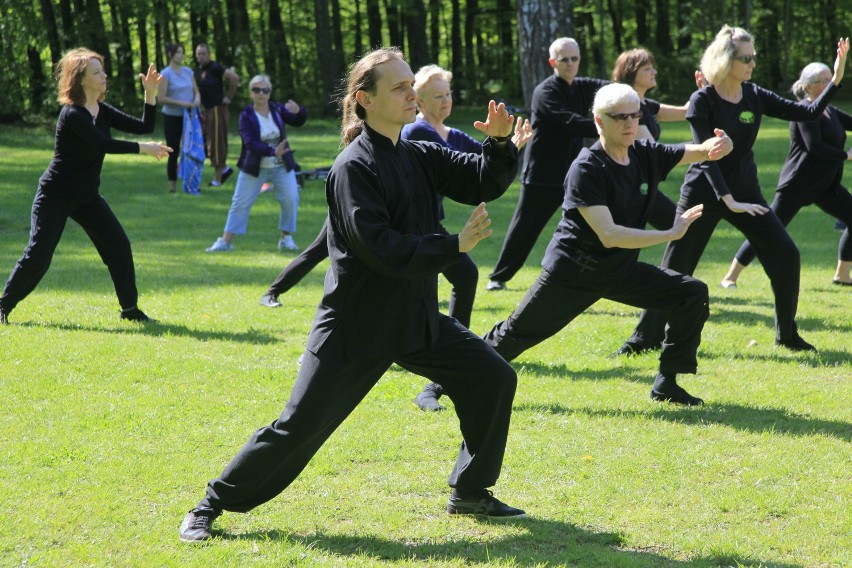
point(287, 243)
point(221, 245)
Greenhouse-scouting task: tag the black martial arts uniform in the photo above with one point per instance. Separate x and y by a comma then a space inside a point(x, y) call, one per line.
point(69, 189)
point(380, 306)
point(813, 174)
point(560, 120)
point(735, 174)
point(578, 270)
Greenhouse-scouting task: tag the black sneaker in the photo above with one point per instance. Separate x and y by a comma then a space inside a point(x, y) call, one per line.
point(226, 174)
point(630, 349)
point(482, 503)
point(428, 398)
point(134, 314)
point(795, 343)
point(270, 300)
point(678, 395)
point(197, 524)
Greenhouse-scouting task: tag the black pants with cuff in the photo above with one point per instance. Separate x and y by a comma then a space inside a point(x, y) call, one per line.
point(49, 217)
point(554, 301)
point(330, 386)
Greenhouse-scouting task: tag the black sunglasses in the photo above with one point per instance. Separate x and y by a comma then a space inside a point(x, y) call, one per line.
point(258, 90)
point(572, 59)
point(746, 58)
point(622, 116)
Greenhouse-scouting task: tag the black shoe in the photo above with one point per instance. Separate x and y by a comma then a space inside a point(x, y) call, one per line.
point(677, 395)
point(839, 226)
point(197, 524)
point(270, 300)
point(631, 349)
point(494, 285)
point(135, 314)
point(841, 283)
point(226, 174)
point(666, 389)
point(428, 398)
point(482, 503)
point(795, 343)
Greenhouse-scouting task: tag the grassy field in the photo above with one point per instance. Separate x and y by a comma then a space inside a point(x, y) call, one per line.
point(110, 430)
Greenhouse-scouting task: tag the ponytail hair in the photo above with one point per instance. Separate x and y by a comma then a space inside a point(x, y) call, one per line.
point(806, 77)
point(363, 76)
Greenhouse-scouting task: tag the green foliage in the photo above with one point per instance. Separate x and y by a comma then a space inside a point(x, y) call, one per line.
point(110, 429)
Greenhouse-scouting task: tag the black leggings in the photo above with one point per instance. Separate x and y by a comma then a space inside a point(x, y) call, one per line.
point(49, 216)
point(173, 131)
point(837, 203)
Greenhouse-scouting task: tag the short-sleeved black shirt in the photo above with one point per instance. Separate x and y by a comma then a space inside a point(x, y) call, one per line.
point(628, 191)
point(650, 109)
point(210, 84)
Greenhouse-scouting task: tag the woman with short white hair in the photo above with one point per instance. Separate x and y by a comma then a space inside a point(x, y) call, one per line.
point(730, 189)
point(610, 191)
point(812, 173)
point(265, 157)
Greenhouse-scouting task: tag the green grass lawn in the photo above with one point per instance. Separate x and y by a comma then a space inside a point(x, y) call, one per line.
point(110, 430)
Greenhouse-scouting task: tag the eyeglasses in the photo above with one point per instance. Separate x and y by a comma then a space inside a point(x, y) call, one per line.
point(746, 58)
point(622, 116)
point(259, 90)
point(820, 82)
point(572, 59)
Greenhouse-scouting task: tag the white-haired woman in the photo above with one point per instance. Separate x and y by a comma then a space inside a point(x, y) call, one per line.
point(730, 189)
point(610, 191)
point(434, 105)
point(812, 173)
point(265, 157)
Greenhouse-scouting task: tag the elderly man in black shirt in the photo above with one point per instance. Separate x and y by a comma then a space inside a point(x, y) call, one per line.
point(380, 303)
point(560, 120)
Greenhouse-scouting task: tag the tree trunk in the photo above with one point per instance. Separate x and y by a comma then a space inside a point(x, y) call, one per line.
point(325, 56)
point(97, 33)
point(337, 31)
point(221, 44)
point(142, 28)
point(392, 14)
point(471, 76)
point(374, 24)
point(507, 40)
point(456, 54)
point(617, 28)
point(415, 25)
point(68, 32)
point(282, 58)
point(664, 29)
point(643, 8)
point(359, 36)
point(49, 18)
point(125, 73)
point(434, 29)
point(37, 79)
point(684, 34)
point(539, 23)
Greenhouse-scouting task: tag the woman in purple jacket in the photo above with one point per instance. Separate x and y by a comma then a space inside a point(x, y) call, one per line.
point(265, 157)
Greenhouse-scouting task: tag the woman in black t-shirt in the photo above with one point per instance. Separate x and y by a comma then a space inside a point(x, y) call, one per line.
point(69, 186)
point(812, 173)
point(730, 189)
point(610, 192)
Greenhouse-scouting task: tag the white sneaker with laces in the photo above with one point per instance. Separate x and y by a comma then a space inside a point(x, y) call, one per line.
point(287, 243)
point(221, 245)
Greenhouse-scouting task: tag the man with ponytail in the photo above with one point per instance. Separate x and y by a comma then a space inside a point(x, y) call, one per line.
point(380, 304)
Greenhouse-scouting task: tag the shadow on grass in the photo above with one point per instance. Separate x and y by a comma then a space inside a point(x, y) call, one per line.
point(741, 417)
point(158, 329)
point(559, 370)
point(542, 543)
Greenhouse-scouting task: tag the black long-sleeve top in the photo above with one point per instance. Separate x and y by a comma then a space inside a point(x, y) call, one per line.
point(814, 164)
point(736, 173)
point(560, 120)
point(385, 243)
point(81, 144)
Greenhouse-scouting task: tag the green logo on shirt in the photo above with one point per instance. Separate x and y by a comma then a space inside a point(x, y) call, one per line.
point(747, 117)
point(643, 188)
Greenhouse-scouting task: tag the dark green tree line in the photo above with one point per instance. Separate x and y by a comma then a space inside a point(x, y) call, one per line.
point(495, 48)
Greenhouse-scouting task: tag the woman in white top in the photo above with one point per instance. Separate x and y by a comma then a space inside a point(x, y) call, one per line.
point(177, 91)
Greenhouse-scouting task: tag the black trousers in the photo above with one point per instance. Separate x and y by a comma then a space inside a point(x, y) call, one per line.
point(536, 205)
point(173, 131)
point(772, 244)
point(462, 275)
point(49, 216)
point(837, 203)
point(554, 301)
point(329, 386)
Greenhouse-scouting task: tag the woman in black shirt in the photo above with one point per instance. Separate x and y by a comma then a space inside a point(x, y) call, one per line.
point(812, 173)
point(730, 189)
point(69, 186)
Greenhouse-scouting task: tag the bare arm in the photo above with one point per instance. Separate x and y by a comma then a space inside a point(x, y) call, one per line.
point(669, 113)
point(711, 149)
point(233, 81)
point(611, 235)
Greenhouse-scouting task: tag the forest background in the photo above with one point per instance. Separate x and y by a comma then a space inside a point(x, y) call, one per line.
point(495, 48)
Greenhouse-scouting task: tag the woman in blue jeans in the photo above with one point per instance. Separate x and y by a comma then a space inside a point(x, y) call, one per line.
point(265, 157)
